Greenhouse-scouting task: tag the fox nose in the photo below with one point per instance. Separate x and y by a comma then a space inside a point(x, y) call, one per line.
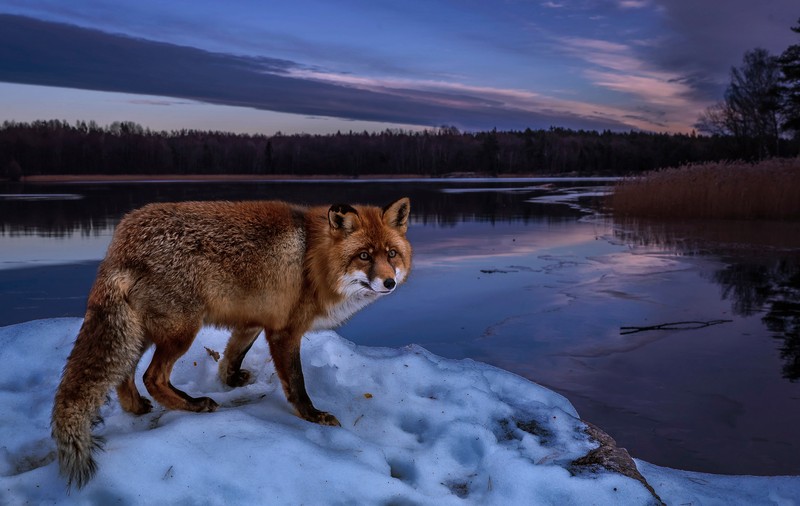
point(389, 283)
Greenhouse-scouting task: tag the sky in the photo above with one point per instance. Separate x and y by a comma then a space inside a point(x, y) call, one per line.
point(320, 67)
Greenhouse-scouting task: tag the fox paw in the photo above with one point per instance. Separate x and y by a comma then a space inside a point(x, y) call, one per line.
point(328, 419)
point(144, 407)
point(321, 417)
point(238, 378)
point(203, 405)
point(138, 406)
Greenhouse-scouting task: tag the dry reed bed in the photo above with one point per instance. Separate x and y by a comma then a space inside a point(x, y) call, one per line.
point(723, 190)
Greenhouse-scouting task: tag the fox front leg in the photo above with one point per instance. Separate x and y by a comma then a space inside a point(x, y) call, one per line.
point(285, 350)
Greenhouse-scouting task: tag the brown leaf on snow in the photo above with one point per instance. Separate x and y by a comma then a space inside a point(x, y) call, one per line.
point(212, 353)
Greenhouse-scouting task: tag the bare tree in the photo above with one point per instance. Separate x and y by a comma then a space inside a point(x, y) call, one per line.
point(751, 108)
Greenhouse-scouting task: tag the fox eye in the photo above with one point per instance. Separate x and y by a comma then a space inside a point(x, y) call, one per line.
point(363, 255)
point(392, 253)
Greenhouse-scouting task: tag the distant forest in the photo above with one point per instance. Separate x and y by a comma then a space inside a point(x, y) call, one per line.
point(57, 147)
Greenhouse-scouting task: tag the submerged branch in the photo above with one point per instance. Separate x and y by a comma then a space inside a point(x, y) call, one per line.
point(690, 325)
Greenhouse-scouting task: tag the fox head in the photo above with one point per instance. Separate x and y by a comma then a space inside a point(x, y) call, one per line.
point(373, 254)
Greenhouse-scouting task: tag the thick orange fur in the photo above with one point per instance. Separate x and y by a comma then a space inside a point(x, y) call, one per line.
point(248, 266)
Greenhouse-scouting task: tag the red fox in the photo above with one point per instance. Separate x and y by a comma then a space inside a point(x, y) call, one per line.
point(248, 266)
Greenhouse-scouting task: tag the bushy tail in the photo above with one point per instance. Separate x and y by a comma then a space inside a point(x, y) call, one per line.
point(106, 350)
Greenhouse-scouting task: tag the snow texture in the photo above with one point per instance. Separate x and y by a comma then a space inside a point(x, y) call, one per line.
point(416, 429)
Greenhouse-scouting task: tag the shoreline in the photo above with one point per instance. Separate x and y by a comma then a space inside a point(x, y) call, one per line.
point(134, 178)
point(125, 178)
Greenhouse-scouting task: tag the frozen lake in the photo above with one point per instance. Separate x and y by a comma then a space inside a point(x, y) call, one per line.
point(518, 274)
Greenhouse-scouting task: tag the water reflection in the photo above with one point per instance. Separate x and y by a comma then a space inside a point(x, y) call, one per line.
point(761, 274)
point(93, 208)
point(771, 286)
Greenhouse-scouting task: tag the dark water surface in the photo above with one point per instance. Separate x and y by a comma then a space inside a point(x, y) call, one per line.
point(518, 274)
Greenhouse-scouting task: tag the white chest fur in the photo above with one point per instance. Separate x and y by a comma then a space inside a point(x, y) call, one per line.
point(342, 311)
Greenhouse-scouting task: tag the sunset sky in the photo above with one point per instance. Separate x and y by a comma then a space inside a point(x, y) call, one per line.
point(322, 66)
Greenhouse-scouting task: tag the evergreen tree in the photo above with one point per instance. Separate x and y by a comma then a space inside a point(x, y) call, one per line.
point(789, 62)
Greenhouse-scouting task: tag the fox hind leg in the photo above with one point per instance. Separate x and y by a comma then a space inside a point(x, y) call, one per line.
point(230, 367)
point(168, 350)
point(129, 397)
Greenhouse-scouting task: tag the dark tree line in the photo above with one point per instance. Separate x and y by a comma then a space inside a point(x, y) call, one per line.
point(57, 147)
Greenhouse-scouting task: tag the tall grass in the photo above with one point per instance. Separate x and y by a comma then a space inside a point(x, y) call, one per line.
point(724, 190)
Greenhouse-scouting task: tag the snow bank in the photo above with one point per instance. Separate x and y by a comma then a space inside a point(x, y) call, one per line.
point(416, 429)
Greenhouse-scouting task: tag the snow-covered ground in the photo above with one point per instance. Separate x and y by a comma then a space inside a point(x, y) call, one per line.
point(416, 429)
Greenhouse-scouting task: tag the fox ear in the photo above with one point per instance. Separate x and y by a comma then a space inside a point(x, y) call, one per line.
point(344, 218)
point(396, 214)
